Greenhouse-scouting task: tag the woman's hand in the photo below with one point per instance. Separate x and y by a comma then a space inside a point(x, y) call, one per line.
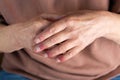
point(68, 36)
point(18, 36)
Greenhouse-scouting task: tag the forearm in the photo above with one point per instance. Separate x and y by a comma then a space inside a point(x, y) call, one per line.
point(8, 41)
point(1, 26)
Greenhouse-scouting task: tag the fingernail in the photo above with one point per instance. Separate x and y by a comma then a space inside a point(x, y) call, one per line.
point(45, 55)
point(37, 49)
point(58, 60)
point(37, 41)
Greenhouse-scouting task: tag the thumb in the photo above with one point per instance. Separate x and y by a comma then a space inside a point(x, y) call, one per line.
point(40, 23)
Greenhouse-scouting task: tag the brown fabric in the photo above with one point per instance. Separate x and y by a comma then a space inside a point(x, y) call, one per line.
point(1, 57)
point(98, 61)
point(116, 6)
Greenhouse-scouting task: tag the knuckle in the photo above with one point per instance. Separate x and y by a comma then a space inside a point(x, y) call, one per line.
point(69, 30)
point(35, 27)
point(52, 30)
point(71, 22)
point(83, 42)
point(37, 23)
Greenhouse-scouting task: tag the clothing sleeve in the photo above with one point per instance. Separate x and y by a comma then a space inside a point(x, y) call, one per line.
point(115, 6)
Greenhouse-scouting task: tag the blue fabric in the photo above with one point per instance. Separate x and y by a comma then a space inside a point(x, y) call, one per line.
point(116, 78)
point(10, 76)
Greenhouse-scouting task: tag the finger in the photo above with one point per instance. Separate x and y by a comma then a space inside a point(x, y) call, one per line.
point(53, 40)
point(74, 51)
point(37, 24)
point(69, 54)
point(51, 30)
point(61, 48)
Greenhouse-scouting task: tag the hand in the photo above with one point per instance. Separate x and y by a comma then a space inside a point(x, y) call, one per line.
point(18, 36)
point(68, 36)
point(46, 20)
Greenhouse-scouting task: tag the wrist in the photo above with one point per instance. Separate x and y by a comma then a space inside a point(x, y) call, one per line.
point(8, 41)
point(113, 32)
point(15, 36)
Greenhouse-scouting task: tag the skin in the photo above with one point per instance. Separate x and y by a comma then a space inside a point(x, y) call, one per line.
point(60, 37)
point(20, 35)
point(65, 38)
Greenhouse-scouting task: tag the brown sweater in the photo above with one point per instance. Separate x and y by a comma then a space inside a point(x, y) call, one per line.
point(100, 60)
